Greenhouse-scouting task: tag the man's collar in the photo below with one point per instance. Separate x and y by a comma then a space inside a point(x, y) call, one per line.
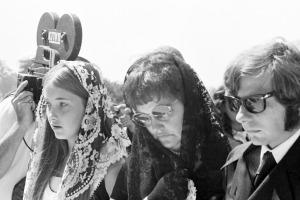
point(280, 151)
point(238, 152)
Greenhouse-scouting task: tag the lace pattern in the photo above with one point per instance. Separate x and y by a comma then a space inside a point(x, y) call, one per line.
point(94, 150)
point(203, 146)
point(192, 190)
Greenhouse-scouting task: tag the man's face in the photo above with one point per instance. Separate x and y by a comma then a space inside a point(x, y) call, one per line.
point(267, 127)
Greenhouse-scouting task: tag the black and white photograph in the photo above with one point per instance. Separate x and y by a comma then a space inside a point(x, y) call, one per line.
point(150, 100)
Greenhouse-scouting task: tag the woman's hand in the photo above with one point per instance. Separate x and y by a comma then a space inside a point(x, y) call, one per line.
point(24, 106)
point(123, 113)
point(173, 185)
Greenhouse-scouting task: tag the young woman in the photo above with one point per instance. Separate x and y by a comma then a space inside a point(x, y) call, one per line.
point(78, 147)
point(177, 146)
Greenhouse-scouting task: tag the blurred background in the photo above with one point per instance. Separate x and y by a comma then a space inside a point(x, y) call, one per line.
point(208, 33)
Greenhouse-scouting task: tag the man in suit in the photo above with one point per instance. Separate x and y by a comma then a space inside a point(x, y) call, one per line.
point(263, 84)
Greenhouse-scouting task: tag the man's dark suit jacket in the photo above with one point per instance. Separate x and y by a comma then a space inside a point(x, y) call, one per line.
point(283, 182)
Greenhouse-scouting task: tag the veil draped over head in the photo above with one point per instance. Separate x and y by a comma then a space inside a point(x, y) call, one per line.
point(203, 146)
point(99, 143)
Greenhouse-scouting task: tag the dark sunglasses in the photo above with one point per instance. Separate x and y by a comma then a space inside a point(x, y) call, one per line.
point(160, 113)
point(253, 104)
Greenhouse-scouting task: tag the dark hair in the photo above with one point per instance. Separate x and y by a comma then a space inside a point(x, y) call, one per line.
point(203, 147)
point(282, 60)
point(150, 77)
point(54, 151)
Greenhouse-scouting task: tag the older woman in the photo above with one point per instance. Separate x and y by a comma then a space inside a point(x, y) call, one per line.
point(177, 146)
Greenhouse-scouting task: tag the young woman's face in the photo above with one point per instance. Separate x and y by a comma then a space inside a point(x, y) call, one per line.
point(166, 121)
point(65, 111)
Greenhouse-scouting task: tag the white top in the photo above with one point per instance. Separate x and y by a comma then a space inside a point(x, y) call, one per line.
point(19, 165)
point(49, 194)
point(280, 151)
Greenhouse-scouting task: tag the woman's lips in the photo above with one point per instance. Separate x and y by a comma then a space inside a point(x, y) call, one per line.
point(56, 126)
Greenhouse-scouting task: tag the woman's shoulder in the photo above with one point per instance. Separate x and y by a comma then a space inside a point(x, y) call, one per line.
point(112, 181)
point(100, 193)
point(49, 194)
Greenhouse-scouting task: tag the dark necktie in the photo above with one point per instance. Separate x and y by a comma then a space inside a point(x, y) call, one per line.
point(268, 163)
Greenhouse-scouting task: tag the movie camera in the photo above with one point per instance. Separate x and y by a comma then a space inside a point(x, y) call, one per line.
point(58, 38)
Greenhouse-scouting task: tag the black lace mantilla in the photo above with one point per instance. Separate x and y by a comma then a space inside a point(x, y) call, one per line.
point(203, 146)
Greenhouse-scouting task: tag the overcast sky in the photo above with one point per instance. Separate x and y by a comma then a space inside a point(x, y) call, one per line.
point(208, 33)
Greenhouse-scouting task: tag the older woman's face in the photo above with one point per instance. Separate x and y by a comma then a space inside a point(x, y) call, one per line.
point(166, 120)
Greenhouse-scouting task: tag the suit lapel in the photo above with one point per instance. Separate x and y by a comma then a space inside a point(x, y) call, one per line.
point(241, 186)
point(237, 153)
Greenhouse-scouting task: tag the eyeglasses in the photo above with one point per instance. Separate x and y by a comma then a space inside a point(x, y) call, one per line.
point(160, 113)
point(253, 104)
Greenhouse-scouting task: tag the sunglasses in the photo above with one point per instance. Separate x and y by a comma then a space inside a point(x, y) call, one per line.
point(160, 113)
point(253, 104)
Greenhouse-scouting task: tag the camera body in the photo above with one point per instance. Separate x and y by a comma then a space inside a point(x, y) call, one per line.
point(34, 84)
point(58, 38)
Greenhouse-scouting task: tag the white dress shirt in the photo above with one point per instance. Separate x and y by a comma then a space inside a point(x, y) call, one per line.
point(280, 151)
